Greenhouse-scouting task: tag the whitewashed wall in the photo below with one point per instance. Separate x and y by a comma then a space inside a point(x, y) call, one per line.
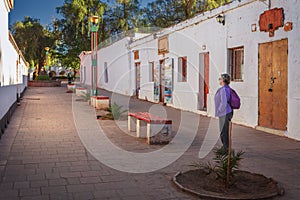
point(13, 79)
point(4, 41)
point(85, 69)
point(120, 73)
point(187, 39)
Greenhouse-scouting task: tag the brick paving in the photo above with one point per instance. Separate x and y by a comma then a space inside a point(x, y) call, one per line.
point(42, 157)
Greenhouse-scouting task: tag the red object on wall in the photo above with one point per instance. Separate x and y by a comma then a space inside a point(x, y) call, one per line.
point(271, 20)
point(288, 26)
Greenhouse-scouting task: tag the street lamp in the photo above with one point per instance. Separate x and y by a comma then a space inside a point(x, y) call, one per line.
point(221, 19)
point(47, 54)
point(94, 49)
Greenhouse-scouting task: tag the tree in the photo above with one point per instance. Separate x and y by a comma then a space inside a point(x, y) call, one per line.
point(165, 13)
point(124, 16)
point(74, 27)
point(32, 38)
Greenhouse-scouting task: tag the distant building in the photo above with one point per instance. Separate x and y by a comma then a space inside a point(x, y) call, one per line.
point(258, 44)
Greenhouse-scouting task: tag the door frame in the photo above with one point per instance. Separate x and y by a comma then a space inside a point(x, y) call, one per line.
point(203, 80)
point(259, 88)
point(137, 79)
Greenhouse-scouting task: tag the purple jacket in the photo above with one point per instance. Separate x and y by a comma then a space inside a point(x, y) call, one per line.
point(222, 101)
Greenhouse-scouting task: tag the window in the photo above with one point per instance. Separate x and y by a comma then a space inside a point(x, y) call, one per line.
point(105, 73)
point(236, 63)
point(136, 55)
point(163, 45)
point(151, 71)
point(182, 69)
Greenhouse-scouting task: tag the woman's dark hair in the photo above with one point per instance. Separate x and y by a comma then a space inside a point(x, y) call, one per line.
point(226, 78)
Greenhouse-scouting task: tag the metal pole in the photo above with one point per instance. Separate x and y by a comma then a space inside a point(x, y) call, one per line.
point(92, 66)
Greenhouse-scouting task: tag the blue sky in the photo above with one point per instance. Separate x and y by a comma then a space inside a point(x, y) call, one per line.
point(40, 9)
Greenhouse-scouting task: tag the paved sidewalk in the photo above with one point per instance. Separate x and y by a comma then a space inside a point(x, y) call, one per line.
point(42, 157)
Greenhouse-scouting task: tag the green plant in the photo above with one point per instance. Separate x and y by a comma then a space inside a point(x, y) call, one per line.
point(220, 165)
point(87, 95)
point(208, 167)
point(116, 111)
point(42, 78)
point(59, 77)
point(221, 160)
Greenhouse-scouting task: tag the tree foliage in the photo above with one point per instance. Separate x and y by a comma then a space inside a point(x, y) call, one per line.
point(74, 27)
point(124, 15)
point(32, 38)
point(70, 34)
point(164, 13)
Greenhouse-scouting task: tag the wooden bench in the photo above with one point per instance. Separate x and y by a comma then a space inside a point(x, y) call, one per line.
point(156, 131)
point(100, 102)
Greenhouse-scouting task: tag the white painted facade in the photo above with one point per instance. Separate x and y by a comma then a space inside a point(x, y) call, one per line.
point(13, 67)
point(204, 34)
point(116, 58)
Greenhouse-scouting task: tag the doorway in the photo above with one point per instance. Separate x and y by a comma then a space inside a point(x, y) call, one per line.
point(273, 84)
point(203, 81)
point(137, 79)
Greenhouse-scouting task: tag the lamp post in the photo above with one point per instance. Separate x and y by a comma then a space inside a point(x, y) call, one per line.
point(47, 54)
point(94, 49)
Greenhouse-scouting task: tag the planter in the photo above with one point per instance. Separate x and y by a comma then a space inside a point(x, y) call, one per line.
point(44, 83)
point(71, 87)
point(100, 102)
point(81, 91)
point(246, 185)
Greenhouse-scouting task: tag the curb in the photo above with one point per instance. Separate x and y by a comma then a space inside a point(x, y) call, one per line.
point(280, 191)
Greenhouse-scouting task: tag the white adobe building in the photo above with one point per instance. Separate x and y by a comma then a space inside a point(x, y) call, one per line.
point(258, 44)
point(13, 68)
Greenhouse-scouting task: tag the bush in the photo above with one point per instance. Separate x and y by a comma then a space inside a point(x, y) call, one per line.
point(221, 160)
point(87, 95)
point(42, 78)
point(116, 111)
point(59, 77)
point(220, 165)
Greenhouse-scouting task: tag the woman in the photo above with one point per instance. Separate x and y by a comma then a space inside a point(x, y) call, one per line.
point(223, 109)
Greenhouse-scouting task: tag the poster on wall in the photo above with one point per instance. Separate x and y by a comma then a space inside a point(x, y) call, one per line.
point(156, 81)
point(168, 80)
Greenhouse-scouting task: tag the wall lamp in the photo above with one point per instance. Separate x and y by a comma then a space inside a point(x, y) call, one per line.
point(221, 19)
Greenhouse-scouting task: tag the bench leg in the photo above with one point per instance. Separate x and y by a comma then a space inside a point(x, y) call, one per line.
point(141, 131)
point(131, 124)
point(159, 133)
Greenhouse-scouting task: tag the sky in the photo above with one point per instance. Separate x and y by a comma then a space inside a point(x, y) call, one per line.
point(45, 10)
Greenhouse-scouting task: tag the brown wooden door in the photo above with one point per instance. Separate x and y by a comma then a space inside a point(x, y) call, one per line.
point(206, 79)
point(138, 78)
point(273, 84)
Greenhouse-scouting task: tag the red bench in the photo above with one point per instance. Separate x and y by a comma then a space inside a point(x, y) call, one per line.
point(157, 130)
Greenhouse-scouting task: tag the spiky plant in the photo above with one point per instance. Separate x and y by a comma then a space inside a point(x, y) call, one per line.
point(221, 162)
point(116, 111)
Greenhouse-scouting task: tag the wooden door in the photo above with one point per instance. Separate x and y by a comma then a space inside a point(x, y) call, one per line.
point(206, 79)
point(138, 78)
point(273, 84)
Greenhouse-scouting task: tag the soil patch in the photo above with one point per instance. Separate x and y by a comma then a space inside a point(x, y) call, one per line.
point(245, 185)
